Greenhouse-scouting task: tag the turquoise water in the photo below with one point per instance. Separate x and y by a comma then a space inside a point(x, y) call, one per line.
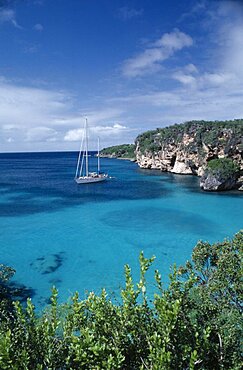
point(78, 237)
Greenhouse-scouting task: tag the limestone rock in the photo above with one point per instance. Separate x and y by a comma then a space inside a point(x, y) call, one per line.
point(240, 183)
point(187, 148)
point(182, 168)
point(211, 182)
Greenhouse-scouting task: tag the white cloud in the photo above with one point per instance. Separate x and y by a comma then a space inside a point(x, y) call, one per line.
point(126, 13)
point(94, 117)
point(184, 78)
point(74, 135)
point(151, 58)
point(119, 127)
point(27, 106)
point(102, 131)
point(199, 7)
point(38, 27)
point(205, 80)
point(40, 134)
point(8, 15)
point(31, 115)
point(224, 23)
point(191, 68)
point(173, 41)
point(28, 114)
point(216, 78)
point(161, 108)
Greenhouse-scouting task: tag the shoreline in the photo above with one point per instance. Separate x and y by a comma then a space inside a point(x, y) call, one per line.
point(121, 158)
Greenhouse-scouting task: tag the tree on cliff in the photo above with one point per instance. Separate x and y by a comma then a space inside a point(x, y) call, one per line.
point(220, 174)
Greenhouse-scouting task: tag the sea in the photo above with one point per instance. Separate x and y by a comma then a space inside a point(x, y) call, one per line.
point(54, 232)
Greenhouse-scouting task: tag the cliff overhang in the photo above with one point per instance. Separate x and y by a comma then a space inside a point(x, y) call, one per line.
point(187, 148)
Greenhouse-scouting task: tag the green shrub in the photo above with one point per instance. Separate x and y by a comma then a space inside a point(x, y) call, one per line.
point(194, 323)
point(120, 151)
point(222, 167)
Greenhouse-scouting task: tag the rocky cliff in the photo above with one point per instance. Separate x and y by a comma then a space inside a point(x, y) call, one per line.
point(221, 174)
point(187, 148)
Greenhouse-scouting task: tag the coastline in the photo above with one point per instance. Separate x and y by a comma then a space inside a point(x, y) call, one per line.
point(121, 158)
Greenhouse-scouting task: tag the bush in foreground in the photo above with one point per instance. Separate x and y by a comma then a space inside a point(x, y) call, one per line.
point(194, 323)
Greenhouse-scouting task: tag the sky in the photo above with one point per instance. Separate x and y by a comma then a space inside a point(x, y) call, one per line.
point(128, 66)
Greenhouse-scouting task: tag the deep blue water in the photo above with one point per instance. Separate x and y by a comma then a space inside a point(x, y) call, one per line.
point(78, 237)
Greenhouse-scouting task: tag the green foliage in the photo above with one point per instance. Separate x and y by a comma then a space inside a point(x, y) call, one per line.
point(211, 133)
point(194, 323)
point(222, 168)
point(119, 151)
point(6, 273)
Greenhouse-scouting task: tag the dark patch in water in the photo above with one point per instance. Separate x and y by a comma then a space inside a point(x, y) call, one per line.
point(20, 292)
point(55, 281)
point(48, 264)
point(150, 219)
point(91, 261)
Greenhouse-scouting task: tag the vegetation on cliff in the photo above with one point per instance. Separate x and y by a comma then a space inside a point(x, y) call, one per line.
point(220, 174)
point(194, 323)
point(222, 167)
point(210, 133)
point(119, 151)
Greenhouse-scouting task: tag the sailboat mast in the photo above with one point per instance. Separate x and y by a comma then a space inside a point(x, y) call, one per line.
point(98, 155)
point(79, 157)
point(86, 145)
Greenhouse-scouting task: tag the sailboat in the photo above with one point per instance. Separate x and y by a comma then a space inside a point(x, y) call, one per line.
point(83, 176)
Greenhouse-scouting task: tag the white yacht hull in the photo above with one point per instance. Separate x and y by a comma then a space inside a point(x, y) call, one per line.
point(89, 179)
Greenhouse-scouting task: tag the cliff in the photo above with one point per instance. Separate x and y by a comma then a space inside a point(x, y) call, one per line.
point(187, 148)
point(221, 174)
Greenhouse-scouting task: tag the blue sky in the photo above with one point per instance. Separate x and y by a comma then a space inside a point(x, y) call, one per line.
point(129, 66)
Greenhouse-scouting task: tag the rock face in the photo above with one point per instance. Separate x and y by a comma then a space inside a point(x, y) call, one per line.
point(240, 183)
point(187, 148)
point(213, 183)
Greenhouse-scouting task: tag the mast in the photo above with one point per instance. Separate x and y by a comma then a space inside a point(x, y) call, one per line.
point(76, 175)
point(98, 155)
point(79, 157)
point(86, 145)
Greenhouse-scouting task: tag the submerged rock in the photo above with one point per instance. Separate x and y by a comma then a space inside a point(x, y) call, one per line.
point(49, 263)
